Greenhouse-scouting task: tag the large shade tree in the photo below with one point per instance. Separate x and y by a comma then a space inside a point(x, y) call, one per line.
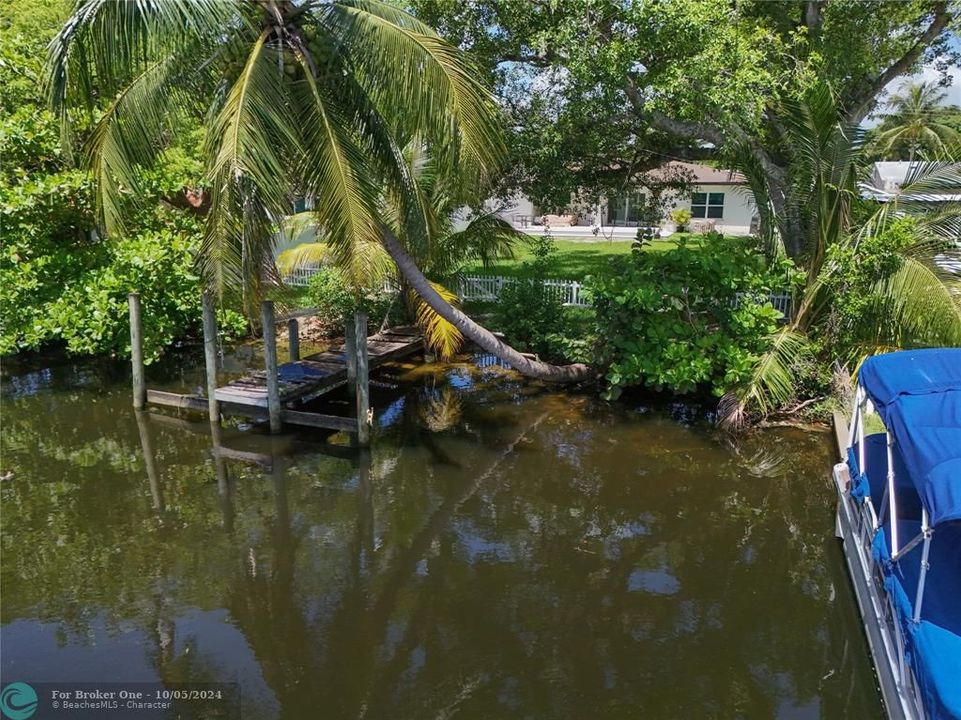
point(601, 90)
point(302, 98)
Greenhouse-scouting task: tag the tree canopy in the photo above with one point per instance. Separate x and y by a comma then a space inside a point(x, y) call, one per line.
point(600, 90)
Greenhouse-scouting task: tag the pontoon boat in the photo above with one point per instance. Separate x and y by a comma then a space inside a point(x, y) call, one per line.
point(899, 515)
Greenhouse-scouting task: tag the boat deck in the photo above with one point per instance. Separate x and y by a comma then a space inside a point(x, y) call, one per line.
point(322, 372)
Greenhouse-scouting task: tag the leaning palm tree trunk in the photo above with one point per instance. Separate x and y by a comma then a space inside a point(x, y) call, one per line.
point(479, 334)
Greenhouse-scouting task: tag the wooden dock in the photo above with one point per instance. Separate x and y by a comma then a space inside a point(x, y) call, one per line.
point(319, 373)
point(276, 392)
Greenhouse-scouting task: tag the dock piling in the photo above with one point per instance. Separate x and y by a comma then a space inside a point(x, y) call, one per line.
point(210, 356)
point(362, 381)
point(350, 353)
point(293, 339)
point(270, 356)
point(136, 352)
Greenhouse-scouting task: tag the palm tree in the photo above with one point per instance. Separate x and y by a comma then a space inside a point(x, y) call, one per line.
point(914, 122)
point(916, 302)
point(312, 97)
point(439, 253)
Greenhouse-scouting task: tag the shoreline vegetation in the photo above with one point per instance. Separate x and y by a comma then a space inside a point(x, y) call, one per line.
point(111, 186)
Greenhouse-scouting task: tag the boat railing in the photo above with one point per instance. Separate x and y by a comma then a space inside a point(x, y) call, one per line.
point(868, 521)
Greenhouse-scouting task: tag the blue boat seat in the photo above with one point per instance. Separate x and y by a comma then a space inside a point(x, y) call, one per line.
point(934, 644)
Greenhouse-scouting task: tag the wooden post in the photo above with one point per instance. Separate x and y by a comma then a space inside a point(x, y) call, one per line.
point(210, 356)
point(136, 352)
point(350, 351)
point(270, 356)
point(293, 339)
point(363, 387)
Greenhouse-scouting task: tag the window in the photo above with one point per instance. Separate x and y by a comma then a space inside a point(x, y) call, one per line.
point(625, 209)
point(707, 205)
point(302, 204)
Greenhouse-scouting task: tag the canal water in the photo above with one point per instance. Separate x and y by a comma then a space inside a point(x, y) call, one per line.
point(504, 551)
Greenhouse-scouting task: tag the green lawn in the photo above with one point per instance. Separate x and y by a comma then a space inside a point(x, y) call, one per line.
point(575, 259)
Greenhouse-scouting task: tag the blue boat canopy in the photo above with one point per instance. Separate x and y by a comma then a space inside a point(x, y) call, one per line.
point(917, 393)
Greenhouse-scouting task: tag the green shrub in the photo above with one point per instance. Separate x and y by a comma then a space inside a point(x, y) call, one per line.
point(686, 319)
point(62, 284)
point(527, 315)
point(334, 300)
point(853, 276)
point(574, 338)
point(526, 311)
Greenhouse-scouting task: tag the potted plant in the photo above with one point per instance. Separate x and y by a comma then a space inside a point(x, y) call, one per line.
point(681, 217)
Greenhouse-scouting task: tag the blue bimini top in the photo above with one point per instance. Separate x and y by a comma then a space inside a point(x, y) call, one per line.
point(917, 393)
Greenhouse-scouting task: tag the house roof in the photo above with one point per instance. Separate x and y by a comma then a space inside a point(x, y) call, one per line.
point(887, 177)
point(699, 174)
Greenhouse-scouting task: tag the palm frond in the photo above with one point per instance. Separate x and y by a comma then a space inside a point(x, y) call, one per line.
point(249, 143)
point(760, 193)
point(128, 137)
point(297, 227)
point(106, 43)
point(337, 172)
point(772, 382)
point(423, 84)
point(826, 166)
point(441, 336)
point(486, 239)
point(918, 306)
point(928, 195)
point(301, 256)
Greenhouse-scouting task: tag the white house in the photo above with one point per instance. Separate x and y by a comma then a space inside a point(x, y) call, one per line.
point(887, 178)
point(718, 199)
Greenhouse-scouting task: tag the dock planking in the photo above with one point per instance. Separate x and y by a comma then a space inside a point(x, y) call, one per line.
point(277, 395)
point(320, 372)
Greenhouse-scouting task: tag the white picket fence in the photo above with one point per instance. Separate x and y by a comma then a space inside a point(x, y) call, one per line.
point(782, 302)
point(487, 288)
point(300, 277)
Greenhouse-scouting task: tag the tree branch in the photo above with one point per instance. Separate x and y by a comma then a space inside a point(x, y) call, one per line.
point(193, 201)
point(862, 103)
point(544, 59)
point(703, 131)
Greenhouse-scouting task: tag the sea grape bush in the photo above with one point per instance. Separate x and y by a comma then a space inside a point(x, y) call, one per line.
point(688, 319)
point(62, 284)
point(332, 297)
point(528, 314)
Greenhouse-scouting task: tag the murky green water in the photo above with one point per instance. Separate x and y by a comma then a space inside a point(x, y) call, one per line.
point(504, 552)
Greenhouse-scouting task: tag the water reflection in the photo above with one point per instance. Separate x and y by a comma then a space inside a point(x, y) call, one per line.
point(503, 551)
